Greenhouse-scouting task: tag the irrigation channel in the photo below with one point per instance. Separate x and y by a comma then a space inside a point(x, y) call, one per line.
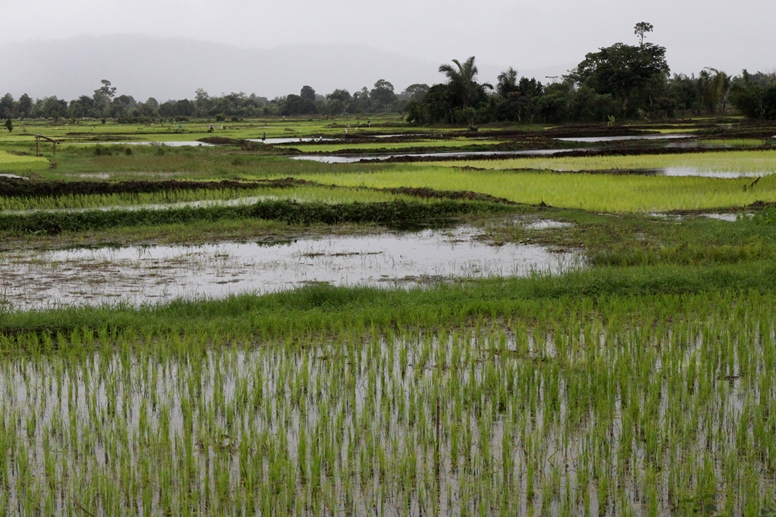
point(143, 274)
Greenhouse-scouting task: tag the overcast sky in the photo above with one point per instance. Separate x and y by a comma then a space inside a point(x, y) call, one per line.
point(523, 34)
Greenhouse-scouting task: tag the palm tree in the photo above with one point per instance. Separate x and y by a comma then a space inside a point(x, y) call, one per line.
point(461, 81)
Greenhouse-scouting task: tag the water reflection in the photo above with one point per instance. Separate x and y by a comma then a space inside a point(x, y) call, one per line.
point(593, 139)
point(138, 275)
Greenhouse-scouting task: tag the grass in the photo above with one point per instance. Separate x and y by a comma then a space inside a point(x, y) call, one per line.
point(204, 197)
point(13, 163)
point(291, 212)
point(760, 162)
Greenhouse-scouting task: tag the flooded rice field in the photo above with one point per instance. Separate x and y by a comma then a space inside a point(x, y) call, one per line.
point(561, 418)
point(152, 274)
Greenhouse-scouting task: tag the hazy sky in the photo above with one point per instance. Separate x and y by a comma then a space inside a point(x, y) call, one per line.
point(523, 34)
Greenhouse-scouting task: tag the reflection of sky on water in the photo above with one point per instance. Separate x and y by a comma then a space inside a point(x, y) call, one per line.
point(139, 275)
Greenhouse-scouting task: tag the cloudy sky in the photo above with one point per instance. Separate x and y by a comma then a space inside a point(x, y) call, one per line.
point(523, 34)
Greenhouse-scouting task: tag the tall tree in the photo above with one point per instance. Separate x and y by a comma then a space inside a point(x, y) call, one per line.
point(461, 81)
point(24, 106)
point(103, 97)
point(307, 93)
point(624, 71)
point(641, 29)
point(7, 106)
point(507, 82)
point(382, 95)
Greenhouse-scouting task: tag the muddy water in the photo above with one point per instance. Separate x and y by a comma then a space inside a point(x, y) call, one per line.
point(138, 275)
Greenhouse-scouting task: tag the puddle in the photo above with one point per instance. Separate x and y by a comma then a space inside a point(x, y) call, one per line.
point(286, 140)
point(138, 275)
point(356, 159)
point(732, 217)
point(691, 171)
point(181, 143)
point(546, 224)
point(593, 139)
point(677, 172)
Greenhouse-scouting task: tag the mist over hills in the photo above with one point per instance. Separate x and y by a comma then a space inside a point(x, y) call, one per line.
point(173, 68)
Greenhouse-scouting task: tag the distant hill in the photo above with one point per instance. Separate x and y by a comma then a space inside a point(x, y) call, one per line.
point(173, 68)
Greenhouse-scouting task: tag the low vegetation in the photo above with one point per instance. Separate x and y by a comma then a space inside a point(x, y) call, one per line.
point(640, 384)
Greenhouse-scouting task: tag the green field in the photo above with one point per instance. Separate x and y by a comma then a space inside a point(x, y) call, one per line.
point(596, 192)
point(755, 162)
point(15, 163)
point(639, 383)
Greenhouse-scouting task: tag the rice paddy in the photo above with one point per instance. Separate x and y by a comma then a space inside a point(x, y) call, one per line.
point(741, 162)
point(624, 412)
point(588, 191)
point(254, 374)
point(16, 163)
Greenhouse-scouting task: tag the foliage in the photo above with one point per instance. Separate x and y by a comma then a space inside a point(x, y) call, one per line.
point(634, 75)
point(755, 95)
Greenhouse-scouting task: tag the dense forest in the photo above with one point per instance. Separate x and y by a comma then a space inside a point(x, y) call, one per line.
point(618, 82)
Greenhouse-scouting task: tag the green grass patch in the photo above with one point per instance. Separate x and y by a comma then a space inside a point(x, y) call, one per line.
point(594, 192)
point(291, 212)
point(753, 162)
point(14, 163)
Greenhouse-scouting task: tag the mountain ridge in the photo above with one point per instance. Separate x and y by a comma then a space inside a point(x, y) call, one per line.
point(174, 68)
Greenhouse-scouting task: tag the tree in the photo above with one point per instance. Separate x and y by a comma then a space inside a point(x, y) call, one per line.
point(51, 107)
point(713, 85)
point(461, 80)
point(7, 106)
point(754, 95)
point(415, 92)
point(9, 124)
point(307, 93)
point(103, 97)
point(507, 82)
point(625, 71)
point(24, 106)
point(641, 29)
point(338, 102)
point(361, 101)
point(121, 105)
point(382, 95)
point(83, 106)
point(202, 102)
point(297, 105)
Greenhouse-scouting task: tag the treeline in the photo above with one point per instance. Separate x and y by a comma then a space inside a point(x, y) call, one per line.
point(617, 82)
point(105, 104)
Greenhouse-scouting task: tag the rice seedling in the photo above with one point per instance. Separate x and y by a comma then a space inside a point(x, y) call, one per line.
point(19, 163)
point(761, 162)
point(593, 192)
point(192, 197)
point(582, 405)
